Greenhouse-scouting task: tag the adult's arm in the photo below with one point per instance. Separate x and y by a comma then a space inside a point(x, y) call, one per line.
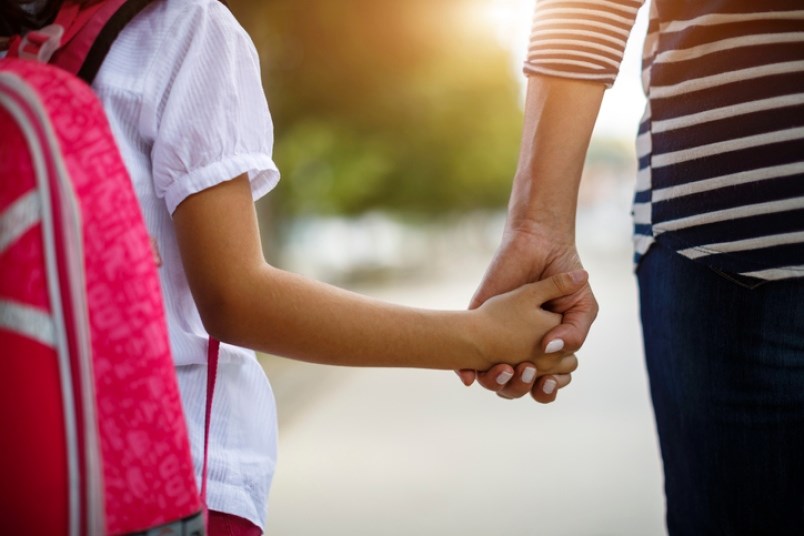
point(574, 54)
point(539, 236)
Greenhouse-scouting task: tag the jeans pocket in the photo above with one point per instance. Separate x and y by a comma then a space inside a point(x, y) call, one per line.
point(744, 281)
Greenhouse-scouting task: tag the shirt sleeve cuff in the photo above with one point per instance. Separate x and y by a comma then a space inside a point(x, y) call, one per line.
point(605, 78)
point(262, 172)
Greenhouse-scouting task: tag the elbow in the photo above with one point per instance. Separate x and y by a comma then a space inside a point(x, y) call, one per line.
point(223, 312)
point(232, 308)
point(216, 313)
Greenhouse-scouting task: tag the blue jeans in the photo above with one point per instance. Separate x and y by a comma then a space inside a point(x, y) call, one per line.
point(725, 359)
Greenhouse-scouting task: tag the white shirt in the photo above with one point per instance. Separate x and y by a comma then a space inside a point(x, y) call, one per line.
point(181, 87)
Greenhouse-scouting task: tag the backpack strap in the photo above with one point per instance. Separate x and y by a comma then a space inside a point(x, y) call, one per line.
point(212, 373)
point(80, 37)
point(90, 34)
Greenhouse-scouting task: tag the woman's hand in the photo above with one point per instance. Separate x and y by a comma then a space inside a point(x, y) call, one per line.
point(528, 254)
point(511, 325)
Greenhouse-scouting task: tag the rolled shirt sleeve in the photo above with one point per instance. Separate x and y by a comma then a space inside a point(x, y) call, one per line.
point(582, 39)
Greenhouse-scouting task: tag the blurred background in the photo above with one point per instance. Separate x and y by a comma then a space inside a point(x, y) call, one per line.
point(397, 129)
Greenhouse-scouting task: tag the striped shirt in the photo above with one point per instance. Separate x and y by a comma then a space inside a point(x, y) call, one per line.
point(721, 144)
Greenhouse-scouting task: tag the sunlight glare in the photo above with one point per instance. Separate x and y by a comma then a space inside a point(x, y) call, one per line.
point(509, 21)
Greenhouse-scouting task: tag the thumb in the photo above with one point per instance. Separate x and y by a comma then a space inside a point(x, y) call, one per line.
point(559, 285)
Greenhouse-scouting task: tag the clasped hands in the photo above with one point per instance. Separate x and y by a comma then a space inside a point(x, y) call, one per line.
point(525, 257)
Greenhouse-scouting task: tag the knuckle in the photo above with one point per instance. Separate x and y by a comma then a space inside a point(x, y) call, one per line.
point(560, 284)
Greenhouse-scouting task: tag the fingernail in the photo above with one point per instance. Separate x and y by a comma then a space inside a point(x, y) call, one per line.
point(503, 378)
point(549, 387)
point(528, 375)
point(554, 346)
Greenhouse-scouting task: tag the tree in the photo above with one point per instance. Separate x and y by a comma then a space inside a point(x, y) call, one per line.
point(401, 106)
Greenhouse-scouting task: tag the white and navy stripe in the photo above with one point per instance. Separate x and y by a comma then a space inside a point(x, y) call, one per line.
point(580, 39)
point(721, 145)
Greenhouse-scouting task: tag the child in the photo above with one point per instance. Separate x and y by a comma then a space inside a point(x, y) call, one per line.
point(181, 87)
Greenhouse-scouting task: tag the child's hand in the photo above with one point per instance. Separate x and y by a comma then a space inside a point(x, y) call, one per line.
point(510, 326)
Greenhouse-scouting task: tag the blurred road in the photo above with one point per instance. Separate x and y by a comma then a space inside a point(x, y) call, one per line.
point(390, 452)
point(414, 453)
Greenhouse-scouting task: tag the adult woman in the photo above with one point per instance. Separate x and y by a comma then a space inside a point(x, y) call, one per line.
point(719, 236)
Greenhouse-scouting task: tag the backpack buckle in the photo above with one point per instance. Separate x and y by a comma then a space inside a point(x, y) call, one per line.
point(40, 44)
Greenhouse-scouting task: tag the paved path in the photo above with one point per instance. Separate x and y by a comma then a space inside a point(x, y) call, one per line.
point(388, 452)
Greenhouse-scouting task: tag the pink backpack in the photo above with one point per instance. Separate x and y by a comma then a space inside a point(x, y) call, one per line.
point(93, 439)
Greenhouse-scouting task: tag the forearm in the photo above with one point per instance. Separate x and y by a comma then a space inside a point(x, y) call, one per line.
point(282, 313)
point(560, 115)
point(243, 300)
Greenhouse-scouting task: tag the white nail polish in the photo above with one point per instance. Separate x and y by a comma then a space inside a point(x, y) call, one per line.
point(549, 387)
point(528, 375)
point(503, 378)
point(554, 346)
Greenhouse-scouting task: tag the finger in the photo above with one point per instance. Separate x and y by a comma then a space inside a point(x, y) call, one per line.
point(521, 383)
point(506, 272)
point(570, 335)
point(497, 280)
point(546, 388)
point(558, 285)
point(489, 286)
point(564, 364)
point(483, 293)
point(495, 378)
point(467, 376)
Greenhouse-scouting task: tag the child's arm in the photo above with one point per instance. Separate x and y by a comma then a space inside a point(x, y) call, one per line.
point(245, 301)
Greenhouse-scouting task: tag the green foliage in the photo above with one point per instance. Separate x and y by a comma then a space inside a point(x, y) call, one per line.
point(401, 106)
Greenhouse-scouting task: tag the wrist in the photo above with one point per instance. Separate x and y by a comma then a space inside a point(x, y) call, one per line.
point(533, 210)
point(477, 340)
point(540, 231)
point(545, 249)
